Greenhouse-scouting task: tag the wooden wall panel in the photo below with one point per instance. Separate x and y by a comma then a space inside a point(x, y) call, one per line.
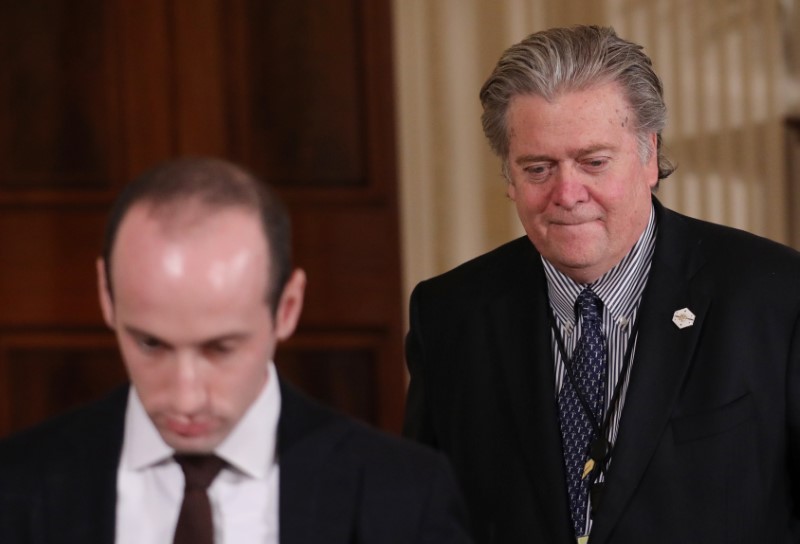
point(310, 98)
point(44, 374)
point(145, 52)
point(304, 92)
point(47, 276)
point(352, 240)
point(58, 114)
point(792, 129)
point(199, 59)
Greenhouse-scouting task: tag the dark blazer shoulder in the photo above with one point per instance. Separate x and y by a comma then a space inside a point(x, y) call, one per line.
point(491, 266)
point(90, 433)
point(507, 270)
point(305, 422)
point(342, 481)
point(731, 256)
point(58, 479)
point(710, 233)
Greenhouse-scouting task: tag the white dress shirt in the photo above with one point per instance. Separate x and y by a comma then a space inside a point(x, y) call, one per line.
point(244, 497)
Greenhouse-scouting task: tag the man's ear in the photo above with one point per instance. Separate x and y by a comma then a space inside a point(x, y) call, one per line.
point(106, 304)
point(653, 160)
point(290, 305)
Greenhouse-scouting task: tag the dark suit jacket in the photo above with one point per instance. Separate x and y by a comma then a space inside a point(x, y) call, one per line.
point(708, 449)
point(340, 481)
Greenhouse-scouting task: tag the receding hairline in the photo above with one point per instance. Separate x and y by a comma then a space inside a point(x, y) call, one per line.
point(175, 219)
point(217, 183)
point(182, 212)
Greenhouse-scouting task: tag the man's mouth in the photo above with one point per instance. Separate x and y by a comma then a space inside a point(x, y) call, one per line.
point(188, 429)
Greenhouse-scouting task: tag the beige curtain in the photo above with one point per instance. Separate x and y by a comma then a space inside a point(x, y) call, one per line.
point(723, 66)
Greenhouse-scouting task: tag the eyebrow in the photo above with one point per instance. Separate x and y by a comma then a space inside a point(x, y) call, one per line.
point(523, 159)
point(231, 336)
point(138, 332)
point(133, 331)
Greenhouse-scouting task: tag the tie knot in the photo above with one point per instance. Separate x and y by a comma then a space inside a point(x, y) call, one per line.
point(199, 470)
point(589, 306)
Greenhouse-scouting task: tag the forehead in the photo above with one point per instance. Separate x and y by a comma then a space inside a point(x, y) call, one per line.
point(191, 239)
point(604, 98)
point(184, 221)
point(589, 116)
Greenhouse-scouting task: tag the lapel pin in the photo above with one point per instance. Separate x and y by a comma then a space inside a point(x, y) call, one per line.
point(683, 318)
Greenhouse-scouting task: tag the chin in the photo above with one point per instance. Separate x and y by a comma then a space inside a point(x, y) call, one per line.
point(194, 449)
point(573, 260)
point(192, 445)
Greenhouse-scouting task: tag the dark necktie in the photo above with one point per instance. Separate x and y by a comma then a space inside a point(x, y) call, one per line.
point(194, 522)
point(589, 369)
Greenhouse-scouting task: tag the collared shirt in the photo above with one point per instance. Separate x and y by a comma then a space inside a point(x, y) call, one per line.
point(621, 290)
point(244, 497)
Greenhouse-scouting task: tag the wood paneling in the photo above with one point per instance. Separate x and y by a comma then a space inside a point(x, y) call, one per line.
point(311, 130)
point(793, 178)
point(43, 374)
point(95, 91)
point(47, 277)
point(56, 101)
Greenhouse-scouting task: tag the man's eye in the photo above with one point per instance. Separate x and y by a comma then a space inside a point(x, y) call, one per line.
point(149, 344)
point(595, 164)
point(537, 172)
point(219, 348)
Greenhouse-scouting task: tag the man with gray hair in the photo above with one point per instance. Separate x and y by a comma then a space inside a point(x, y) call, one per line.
point(622, 371)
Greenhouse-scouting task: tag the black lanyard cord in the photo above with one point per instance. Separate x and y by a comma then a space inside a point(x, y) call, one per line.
point(600, 429)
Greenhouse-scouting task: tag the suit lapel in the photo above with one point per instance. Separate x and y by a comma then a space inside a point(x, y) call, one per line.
point(521, 348)
point(317, 496)
point(662, 358)
point(82, 505)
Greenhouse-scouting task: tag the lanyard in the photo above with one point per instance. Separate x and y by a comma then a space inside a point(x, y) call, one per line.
point(600, 447)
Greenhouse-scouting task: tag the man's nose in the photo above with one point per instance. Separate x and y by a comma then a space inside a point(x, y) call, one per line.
point(189, 387)
point(569, 188)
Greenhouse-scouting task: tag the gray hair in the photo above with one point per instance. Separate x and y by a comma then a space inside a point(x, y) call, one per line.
point(561, 60)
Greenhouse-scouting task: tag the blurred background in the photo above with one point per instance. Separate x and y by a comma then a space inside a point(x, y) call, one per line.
point(364, 115)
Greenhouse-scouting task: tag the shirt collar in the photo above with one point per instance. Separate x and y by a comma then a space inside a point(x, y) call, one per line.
point(620, 288)
point(142, 446)
point(250, 446)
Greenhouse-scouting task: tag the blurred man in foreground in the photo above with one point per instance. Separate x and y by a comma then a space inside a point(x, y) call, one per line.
point(208, 444)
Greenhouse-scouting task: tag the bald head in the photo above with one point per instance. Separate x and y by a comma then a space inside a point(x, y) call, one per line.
point(186, 251)
point(193, 188)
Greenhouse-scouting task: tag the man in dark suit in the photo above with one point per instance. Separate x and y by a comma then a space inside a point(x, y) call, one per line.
point(197, 283)
point(623, 373)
